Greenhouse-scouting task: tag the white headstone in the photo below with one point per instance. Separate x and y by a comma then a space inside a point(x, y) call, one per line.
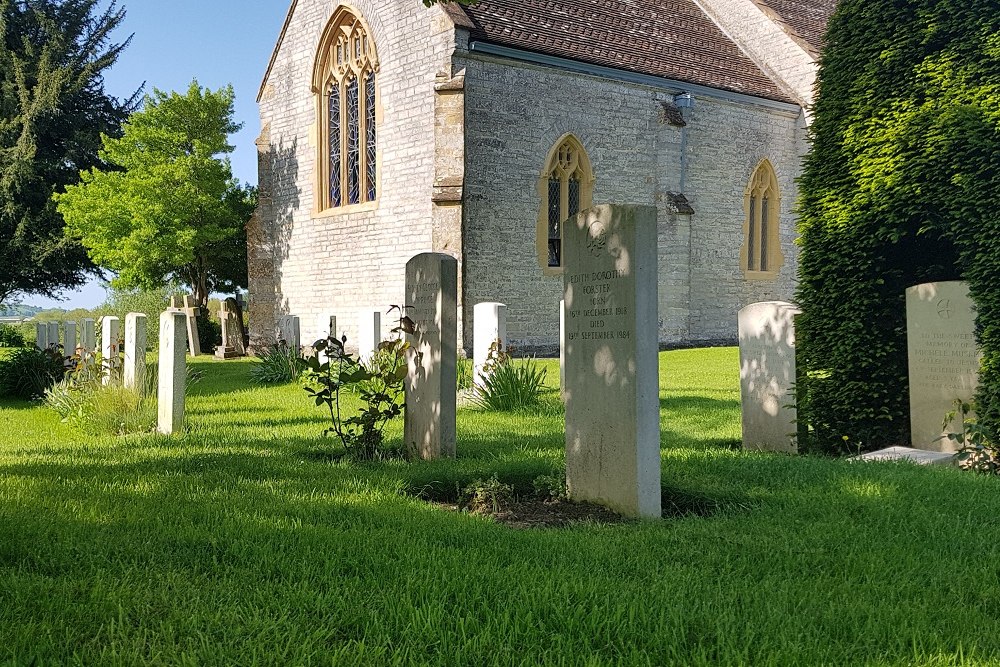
point(489, 325)
point(109, 348)
point(69, 338)
point(53, 337)
point(431, 290)
point(135, 351)
point(369, 334)
point(172, 373)
point(943, 359)
point(88, 337)
point(767, 376)
point(41, 335)
point(611, 358)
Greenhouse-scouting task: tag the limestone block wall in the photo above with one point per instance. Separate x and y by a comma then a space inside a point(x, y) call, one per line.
point(516, 111)
point(347, 262)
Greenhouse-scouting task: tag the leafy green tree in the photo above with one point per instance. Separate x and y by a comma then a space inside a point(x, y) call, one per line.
point(170, 209)
point(53, 110)
point(902, 186)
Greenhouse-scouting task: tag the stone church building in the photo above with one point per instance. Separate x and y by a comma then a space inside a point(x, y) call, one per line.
point(391, 129)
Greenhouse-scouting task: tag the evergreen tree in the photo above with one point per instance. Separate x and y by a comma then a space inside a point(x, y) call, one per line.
point(53, 110)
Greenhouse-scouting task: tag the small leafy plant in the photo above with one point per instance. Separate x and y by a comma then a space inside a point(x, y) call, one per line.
point(377, 382)
point(11, 337)
point(508, 385)
point(975, 450)
point(486, 496)
point(550, 488)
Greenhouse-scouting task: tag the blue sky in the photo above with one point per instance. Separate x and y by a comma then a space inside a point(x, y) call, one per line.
point(217, 42)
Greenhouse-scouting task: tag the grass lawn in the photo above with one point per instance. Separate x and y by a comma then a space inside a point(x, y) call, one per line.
point(237, 544)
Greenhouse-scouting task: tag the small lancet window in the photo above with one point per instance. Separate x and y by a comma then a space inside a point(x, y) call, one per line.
point(565, 187)
point(761, 252)
point(347, 67)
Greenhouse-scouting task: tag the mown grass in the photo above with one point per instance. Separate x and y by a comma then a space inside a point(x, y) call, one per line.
point(239, 543)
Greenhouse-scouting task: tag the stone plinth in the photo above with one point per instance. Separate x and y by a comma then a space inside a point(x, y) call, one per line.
point(172, 373)
point(611, 358)
point(943, 359)
point(489, 325)
point(431, 290)
point(110, 361)
point(369, 334)
point(767, 376)
point(134, 374)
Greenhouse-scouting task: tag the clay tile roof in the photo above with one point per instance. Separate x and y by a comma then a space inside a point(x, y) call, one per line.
point(807, 18)
point(673, 39)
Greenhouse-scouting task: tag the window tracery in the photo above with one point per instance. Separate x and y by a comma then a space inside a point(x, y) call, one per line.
point(566, 187)
point(760, 255)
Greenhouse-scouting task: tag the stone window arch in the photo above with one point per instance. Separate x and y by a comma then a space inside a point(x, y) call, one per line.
point(760, 255)
point(566, 187)
point(344, 84)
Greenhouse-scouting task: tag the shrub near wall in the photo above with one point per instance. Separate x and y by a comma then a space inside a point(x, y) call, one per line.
point(902, 186)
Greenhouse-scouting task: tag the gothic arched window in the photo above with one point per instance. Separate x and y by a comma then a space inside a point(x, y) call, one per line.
point(761, 255)
point(565, 186)
point(344, 82)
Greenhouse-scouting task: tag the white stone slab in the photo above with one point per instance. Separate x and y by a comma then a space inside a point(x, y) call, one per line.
point(432, 291)
point(69, 338)
point(172, 374)
point(110, 362)
point(369, 334)
point(943, 359)
point(489, 325)
point(134, 374)
point(767, 375)
point(88, 337)
point(611, 358)
point(919, 456)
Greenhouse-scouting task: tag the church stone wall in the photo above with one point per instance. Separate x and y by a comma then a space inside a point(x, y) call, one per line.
point(515, 112)
point(343, 263)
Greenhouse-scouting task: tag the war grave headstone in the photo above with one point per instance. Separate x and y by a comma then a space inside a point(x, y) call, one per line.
point(611, 358)
point(431, 290)
point(53, 337)
point(69, 338)
point(369, 334)
point(289, 331)
point(172, 372)
point(109, 348)
point(943, 358)
point(134, 374)
point(41, 335)
point(88, 335)
point(767, 375)
point(489, 331)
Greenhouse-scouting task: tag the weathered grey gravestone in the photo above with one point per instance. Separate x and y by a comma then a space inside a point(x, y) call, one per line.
point(431, 289)
point(172, 373)
point(767, 375)
point(134, 374)
point(369, 334)
point(232, 334)
point(109, 348)
point(53, 337)
point(943, 358)
point(88, 335)
point(69, 338)
point(41, 335)
point(489, 325)
point(611, 358)
point(289, 331)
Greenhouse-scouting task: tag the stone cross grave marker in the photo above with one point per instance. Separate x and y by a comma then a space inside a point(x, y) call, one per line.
point(232, 334)
point(191, 315)
point(431, 290)
point(109, 348)
point(611, 358)
point(172, 373)
point(134, 374)
point(943, 358)
point(489, 325)
point(767, 376)
point(69, 338)
point(369, 334)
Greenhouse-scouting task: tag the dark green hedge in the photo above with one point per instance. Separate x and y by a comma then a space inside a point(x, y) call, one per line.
point(902, 186)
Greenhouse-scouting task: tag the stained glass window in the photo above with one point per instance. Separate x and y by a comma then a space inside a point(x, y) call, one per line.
point(333, 104)
point(370, 155)
point(353, 142)
point(345, 73)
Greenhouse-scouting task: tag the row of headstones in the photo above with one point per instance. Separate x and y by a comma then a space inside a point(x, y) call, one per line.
point(609, 357)
point(941, 351)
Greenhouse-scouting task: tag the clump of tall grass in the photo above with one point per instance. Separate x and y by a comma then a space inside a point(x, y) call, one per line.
point(82, 399)
point(506, 385)
point(279, 363)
